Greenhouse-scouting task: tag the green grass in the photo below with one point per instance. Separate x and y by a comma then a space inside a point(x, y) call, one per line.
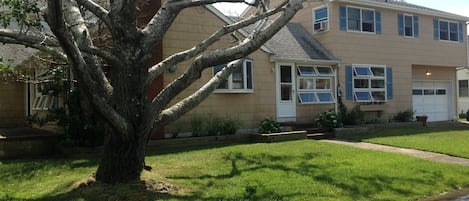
point(296, 170)
point(448, 140)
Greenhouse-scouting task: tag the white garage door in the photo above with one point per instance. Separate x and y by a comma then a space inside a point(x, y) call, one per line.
point(432, 99)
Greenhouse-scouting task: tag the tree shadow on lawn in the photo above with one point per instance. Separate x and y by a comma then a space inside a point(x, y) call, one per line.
point(360, 186)
point(406, 131)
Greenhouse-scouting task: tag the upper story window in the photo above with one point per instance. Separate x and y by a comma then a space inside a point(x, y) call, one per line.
point(360, 19)
point(240, 80)
point(369, 83)
point(448, 31)
point(463, 88)
point(408, 25)
point(321, 19)
point(315, 84)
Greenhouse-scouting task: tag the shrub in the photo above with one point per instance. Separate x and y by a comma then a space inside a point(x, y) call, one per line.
point(404, 116)
point(462, 115)
point(214, 125)
point(328, 119)
point(198, 125)
point(269, 125)
point(355, 117)
point(230, 126)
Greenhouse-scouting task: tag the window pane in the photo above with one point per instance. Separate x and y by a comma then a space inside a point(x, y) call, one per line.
point(306, 71)
point(362, 96)
point(361, 83)
point(320, 14)
point(441, 92)
point(377, 84)
point(325, 97)
point(368, 23)
point(444, 30)
point(463, 88)
point(249, 74)
point(408, 24)
point(286, 92)
point(428, 92)
point(378, 71)
point(238, 78)
point(417, 92)
point(223, 84)
point(453, 32)
point(307, 83)
point(325, 71)
point(378, 95)
point(362, 71)
point(285, 74)
point(353, 19)
point(307, 97)
point(323, 84)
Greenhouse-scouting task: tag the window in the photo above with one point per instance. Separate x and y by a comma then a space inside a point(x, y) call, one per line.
point(359, 19)
point(369, 83)
point(43, 102)
point(448, 31)
point(321, 19)
point(463, 88)
point(240, 80)
point(408, 25)
point(315, 84)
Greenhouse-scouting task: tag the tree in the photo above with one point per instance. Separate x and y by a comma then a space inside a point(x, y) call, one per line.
point(121, 99)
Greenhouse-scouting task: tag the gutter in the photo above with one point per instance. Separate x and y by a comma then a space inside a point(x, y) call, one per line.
point(299, 60)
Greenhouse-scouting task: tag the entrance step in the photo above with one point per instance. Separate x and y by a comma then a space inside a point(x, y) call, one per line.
point(279, 137)
point(320, 136)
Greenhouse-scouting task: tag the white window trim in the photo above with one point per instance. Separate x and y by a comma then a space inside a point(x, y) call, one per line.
point(245, 80)
point(371, 77)
point(361, 20)
point(326, 20)
point(449, 31)
point(315, 91)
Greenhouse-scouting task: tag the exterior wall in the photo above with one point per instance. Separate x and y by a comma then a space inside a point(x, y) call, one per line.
point(463, 102)
point(194, 25)
point(12, 104)
point(389, 49)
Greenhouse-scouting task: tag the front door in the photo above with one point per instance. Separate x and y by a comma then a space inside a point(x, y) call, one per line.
point(286, 98)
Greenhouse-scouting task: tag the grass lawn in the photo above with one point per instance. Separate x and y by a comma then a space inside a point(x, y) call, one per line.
point(296, 170)
point(448, 140)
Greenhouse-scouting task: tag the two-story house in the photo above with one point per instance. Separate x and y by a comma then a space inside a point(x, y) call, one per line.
point(463, 87)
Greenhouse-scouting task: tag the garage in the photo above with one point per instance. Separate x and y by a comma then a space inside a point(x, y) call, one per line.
point(432, 98)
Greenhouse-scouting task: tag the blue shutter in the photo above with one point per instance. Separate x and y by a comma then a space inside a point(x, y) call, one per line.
point(436, 29)
point(378, 22)
point(461, 32)
point(348, 82)
point(400, 24)
point(343, 17)
point(416, 26)
point(389, 83)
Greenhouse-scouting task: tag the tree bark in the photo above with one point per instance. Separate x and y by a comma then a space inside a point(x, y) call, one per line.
point(123, 159)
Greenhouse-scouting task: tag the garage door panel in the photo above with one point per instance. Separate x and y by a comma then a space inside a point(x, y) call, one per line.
point(431, 99)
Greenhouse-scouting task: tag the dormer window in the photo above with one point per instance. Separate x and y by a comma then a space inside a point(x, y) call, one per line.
point(321, 19)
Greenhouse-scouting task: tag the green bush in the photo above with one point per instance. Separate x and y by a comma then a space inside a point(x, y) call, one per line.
point(269, 125)
point(328, 119)
point(462, 115)
point(214, 125)
point(355, 117)
point(199, 125)
point(404, 116)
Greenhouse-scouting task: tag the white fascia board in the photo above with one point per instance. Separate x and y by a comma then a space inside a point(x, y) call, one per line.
point(384, 5)
point(304, 61)
point(228, 20)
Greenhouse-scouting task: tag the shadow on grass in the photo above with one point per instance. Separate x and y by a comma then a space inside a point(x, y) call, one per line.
point(406, 131)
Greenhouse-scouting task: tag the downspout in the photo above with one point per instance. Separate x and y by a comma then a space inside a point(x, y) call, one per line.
point(338, 89)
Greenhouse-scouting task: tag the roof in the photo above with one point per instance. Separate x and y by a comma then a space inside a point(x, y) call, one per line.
point(407, 7)
point(293, 42)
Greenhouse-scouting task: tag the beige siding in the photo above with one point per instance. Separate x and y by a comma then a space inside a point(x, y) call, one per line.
point(12, 104)
point(389, 49)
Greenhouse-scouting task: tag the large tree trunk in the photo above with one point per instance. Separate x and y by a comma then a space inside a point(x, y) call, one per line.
point(123, 159)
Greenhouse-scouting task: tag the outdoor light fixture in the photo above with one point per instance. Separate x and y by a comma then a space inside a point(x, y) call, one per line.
point(428, 73)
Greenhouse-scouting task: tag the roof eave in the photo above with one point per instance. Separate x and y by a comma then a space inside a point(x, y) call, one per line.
point(305, 61)
point(406, 9)
point(228, 20)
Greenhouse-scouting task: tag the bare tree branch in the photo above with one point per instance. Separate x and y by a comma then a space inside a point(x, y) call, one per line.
point(57, 24)
point(40, 39)
point(97, 10)
point(176, 58)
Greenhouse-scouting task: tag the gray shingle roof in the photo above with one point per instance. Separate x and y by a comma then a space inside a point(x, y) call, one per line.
point(294, 42)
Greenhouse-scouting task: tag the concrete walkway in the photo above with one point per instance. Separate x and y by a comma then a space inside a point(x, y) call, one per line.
point(460, 195)
point(411, 152)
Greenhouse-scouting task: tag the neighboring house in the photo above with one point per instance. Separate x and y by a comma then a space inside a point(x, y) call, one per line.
point(463, 87)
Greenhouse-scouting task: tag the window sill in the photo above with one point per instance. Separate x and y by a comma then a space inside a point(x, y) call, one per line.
point(233, 91)
point(318, 103)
